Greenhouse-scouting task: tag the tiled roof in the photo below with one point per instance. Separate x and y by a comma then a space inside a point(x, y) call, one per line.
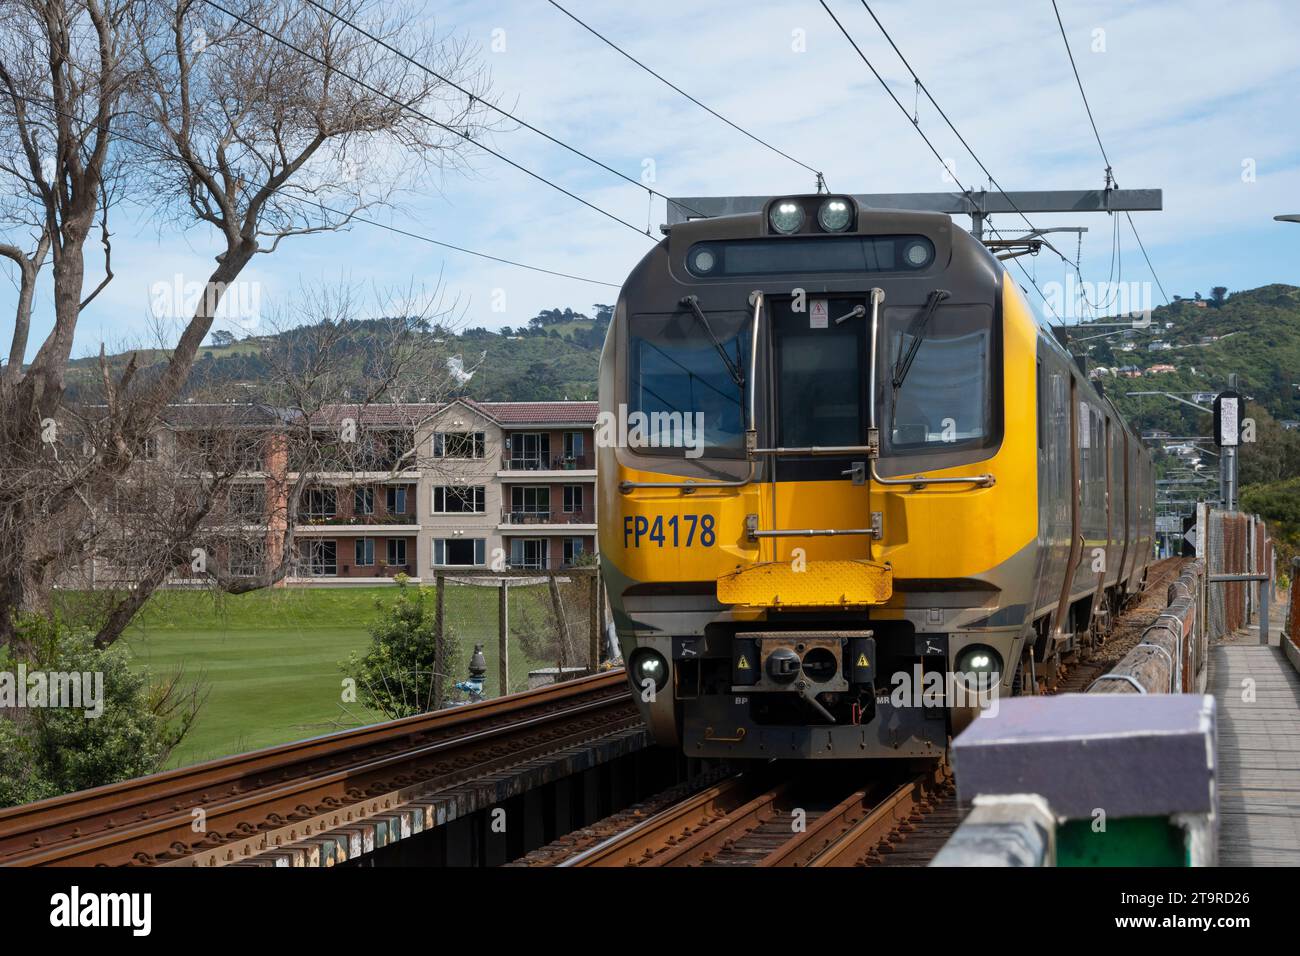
point(198, 414)
point(510, 414)
point(540, 413)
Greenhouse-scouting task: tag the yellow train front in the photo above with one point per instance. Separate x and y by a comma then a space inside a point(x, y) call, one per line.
point(833, 519)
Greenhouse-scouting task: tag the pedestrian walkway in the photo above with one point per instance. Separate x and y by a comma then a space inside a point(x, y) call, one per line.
point(1257, 690)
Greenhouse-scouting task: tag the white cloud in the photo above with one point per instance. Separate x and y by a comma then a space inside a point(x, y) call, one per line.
point(1183, 94)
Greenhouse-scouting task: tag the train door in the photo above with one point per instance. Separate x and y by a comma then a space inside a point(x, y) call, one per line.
point(1122, 510)
point(819, 369)
point(1100, 612)
point(1063, 626)
point(1054, 479)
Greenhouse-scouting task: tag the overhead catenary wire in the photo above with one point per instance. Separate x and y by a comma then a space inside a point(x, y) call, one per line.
point(921, 133)
point(474, 97)
point(933, 102)
point(346, 215)
point(673, 86)
point(1105, 158)
point(1077, 262)
point(400, 104)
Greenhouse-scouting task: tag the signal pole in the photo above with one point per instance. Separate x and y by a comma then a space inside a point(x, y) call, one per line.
point(1227, 435)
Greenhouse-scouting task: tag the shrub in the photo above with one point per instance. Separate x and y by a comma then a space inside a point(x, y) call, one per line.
point(396, 676)
point(46, 751)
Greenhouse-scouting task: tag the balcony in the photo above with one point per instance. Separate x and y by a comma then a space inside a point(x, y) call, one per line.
point(544, 520)
point(356, 521)
point(558, 467)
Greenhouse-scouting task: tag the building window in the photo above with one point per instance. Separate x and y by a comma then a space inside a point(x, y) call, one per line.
point(530, 451)
point(572, 446)
point(318, 558)
point(150, 450)
point(572, 499)
point(529, 553)
point(530, 503)
point(365, 552)
point(396, 499)
point(459, 552)
point(392, 450)
point(245, 558)
point(450, 499)
point(363, 501)
point(319, 503)
point(397, 552)
point(458, 444)
point(248, 502)
point(572, 550)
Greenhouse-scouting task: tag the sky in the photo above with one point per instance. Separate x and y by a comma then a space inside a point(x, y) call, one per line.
point(1196, 97)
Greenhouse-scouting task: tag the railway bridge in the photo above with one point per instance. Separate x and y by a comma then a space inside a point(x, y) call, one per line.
point(1180, 735)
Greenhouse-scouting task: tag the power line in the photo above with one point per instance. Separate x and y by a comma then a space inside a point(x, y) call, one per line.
point(937, 156)
point(347, 216)
point(425, 116)
point(1159, 285)
point(475, 98)
point(708, 109)
point(1075, 67)
point(922, 87)
point(1110, 178)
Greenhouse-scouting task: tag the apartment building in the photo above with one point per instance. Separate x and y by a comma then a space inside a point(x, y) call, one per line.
point(409, 488)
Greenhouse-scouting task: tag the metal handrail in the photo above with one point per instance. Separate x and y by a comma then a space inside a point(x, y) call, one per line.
point(920, 481)
point(810, 532)
point(816, 450)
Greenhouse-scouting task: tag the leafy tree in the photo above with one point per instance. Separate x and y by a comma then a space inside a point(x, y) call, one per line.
point(222, 339)
point(396, 675)
point(46, 751)
point(1219, 293)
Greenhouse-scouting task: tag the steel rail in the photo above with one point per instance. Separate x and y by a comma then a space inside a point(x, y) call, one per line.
point(104, 821)
point(637, 844)
point(883, 819)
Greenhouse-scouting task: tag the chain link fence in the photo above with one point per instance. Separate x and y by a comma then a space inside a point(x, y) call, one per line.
point(1237, 544)
point(533, 628)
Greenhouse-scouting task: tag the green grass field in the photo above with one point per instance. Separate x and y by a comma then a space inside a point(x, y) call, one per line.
point(270, 659)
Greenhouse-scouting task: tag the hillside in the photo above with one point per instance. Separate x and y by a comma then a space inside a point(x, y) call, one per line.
point(554, 356)
point(1255, 334)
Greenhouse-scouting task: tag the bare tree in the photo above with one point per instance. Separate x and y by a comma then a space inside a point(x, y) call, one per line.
point(265, 121)
point(215, 499)
point(276, 120)
point(65, 68)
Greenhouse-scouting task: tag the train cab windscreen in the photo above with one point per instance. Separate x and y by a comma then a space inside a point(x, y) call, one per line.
point(945, 400)
point(678, 380)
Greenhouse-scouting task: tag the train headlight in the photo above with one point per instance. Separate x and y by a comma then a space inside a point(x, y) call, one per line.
point(917, 255)
point(646, 664)
point(835, 215)
point(979, 667)
point(703, 261)
point(786, 217)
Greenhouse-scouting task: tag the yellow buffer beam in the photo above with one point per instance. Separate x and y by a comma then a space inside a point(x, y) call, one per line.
point(813, 584)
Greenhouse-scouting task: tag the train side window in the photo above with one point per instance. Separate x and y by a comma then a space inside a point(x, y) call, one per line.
point(1041, 409)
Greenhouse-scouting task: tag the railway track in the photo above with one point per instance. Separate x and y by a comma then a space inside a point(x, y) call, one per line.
point(773, 816)
point(746, 819)
point(228, 810)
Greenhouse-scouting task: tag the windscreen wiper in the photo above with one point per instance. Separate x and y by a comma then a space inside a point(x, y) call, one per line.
point(917, 331)
point(693, 303)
